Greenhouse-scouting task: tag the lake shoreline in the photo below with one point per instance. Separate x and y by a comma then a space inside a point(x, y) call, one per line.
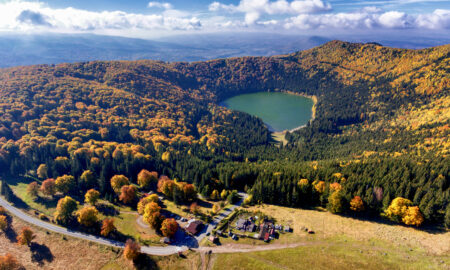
point(280, 135)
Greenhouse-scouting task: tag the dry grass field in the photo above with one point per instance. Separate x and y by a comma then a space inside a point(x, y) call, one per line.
point(327, 225)
point(343, 243)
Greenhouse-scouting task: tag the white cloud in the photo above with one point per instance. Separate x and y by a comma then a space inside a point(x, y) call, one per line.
point(253, 9)
point(439, 19)
point(248, 15)
point(163, 5)
point(394, 19)
point(25, 15)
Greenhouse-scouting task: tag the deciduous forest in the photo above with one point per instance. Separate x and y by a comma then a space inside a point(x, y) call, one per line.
point(381, 129)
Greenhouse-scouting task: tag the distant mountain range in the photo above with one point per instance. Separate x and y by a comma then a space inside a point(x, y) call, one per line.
point(19, 50)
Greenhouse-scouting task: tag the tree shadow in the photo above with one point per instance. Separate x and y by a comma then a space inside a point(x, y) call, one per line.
point(375, 218)
point(10, 234)
point(107, 210)
point(144, 262)
point(204, 204)
point(47, 202)
point(18, 202)
point(40, 253)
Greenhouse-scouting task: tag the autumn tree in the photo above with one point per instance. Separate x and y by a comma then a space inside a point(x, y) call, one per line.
point(3, 222)
point(165, 157)
point(33, 189)
point(189, 192)
point(64, 209)
point(152, 215)
point(91, 197)
point(107, 227)
point(303, 182)
point(169, 227)
point(357, 204)
point(48, 187)
point(132, 250)
point(214, 195)
point(215, 208)
point(118, 181)
point(147, 179)
point(9, 262)
point(224, 194)
point(87, 179)
point(335, 187)
point(65, 183)
point(166, 186)
point(413, 216)
point(42, 171)
point(87, 216)
point(319, 186)
point(146, 200)
point(25, 237)
point(335, 202)
point(397, 209)
point(402, 210)
point(128, 194)
point(194, 208)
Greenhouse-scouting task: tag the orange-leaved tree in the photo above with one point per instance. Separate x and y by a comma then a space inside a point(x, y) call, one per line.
point(48, 187)
point(107, 227)
point(3, 222)
point(357, 204)
point(132, 250)
point(169, 227)
point(25, 237)
point(147, 179)
point(9, 262)
point(128, 194)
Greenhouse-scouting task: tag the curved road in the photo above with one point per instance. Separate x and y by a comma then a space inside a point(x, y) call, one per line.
point(152, 250)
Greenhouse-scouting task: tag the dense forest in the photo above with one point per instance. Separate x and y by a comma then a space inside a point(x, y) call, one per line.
point(381, 129)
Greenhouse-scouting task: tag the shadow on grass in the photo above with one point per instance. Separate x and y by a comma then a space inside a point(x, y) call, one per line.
point(375, 218)
point(18, 202)
point(47, 202)
point(144, 262)
point(40, 253)
point(107, 210)
point(204, 204)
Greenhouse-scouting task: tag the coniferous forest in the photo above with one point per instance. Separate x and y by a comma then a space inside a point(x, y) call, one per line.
point(381, 127)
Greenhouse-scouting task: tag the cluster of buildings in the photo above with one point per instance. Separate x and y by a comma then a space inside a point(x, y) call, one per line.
point(266, 231)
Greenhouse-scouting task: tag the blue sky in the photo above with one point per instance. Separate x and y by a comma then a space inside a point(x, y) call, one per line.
point(198, 5)
point(149, 19)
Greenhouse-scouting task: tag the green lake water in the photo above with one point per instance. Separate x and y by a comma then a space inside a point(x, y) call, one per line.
point(279, 111)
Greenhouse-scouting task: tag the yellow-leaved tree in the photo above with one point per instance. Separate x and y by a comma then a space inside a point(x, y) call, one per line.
point(402, 210)
point(413, 216)
point(87, 216)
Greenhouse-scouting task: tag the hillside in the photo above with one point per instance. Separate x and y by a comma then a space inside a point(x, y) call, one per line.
point(381, 129)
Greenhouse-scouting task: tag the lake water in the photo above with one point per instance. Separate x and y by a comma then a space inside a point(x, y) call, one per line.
point(279, 111)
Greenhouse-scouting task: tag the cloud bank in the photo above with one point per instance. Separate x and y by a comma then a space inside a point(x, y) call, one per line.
point(276, 15)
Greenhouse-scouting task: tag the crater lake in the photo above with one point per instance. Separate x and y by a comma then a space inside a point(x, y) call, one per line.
point(279, 111)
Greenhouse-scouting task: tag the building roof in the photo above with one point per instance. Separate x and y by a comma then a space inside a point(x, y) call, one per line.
point(241, 223)
point(194, 226)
